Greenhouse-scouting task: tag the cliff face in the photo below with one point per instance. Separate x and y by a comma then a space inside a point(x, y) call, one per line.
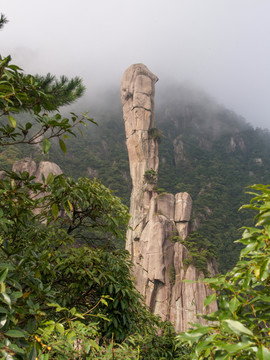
point(155, 219)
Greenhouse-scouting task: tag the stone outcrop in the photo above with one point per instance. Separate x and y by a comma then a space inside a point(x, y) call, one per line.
point(26, 164)
point(43, 170)
point(40, 172)
point(157, 219)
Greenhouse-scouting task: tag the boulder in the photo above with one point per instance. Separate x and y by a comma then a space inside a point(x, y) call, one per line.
point(45, 168)
point(26, 164)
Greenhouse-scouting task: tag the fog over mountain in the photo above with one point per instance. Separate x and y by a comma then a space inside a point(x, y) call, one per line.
point(220, 46)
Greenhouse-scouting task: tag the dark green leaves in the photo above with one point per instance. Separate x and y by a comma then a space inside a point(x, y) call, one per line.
point(263, 353)
point(237, 327)
point(55, 210)
point(12, 121)
point(46, 145)
point(209, 299)
point(15, 333)
point(62, 145)
point(21, 92)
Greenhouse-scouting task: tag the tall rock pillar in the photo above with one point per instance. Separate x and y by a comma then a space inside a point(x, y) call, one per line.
point(137, 95)
point(156, 220)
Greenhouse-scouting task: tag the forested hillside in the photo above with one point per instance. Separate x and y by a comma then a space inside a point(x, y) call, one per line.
point(206, 150)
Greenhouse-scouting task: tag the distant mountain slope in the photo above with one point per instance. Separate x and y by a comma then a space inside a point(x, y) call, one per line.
point(206, 150)
point(213, 154)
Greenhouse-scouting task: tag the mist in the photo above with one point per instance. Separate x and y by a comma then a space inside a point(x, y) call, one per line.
point(220, 46)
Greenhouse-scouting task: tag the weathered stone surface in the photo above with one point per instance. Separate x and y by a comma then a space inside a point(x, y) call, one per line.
point(183, 206)
point(155, 219)
point(165, 205)
point(137, 95)
point(45, 168)
point(178, 147)
point(26, 164)
point(183, 229)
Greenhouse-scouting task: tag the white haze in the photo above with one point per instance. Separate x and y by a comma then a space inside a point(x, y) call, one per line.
point(220, 45)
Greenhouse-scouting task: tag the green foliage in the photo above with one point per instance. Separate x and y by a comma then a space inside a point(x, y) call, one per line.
point(90, 211)
point(159, 343)
point(239, 329)
point(155, 134)
point(200, 251)
point(171, 273)
point(47, 266)
point(60, 92)
point(20, 92)
point(150, 176)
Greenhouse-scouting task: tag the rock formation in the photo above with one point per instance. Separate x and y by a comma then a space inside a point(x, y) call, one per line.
point(156, 219)
point(44, 168)
point(40, 172)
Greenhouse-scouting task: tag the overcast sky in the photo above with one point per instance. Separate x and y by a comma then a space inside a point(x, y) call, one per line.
point(222, 46)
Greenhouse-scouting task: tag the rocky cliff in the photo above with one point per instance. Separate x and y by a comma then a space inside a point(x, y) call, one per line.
point(157, 220)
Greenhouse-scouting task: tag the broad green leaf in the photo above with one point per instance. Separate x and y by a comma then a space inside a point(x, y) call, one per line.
point(237, 327)
point(235, 348)
point(60, 328)
point(12, 121)
point(49, 329)
point(263, 353)
point(16, 349)
point(62, 145)
point(49, 322)
point(265, 270)
point(53, 304)
point(50, 179)
point(46, 145)
point(103, 301)
point(4, 311)
point(28, 126)
point(209, 299)
point(249, 248)
point(15, 333)
point(94, 344)
point(5, 298)
point(55, 210)
point(3, 320)
point(33, 353)
point(3, 275)
point(70, 205)
point(190, 336)
point(233, 304)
